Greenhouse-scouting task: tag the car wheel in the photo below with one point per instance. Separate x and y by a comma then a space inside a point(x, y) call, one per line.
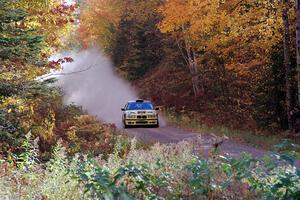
point(125, 126)
point(157, 125)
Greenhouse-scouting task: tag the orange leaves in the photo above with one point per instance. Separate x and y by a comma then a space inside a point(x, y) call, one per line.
point(98, 21)
point(63, 9)
point(233, 41)
point(197, 18)
point(176, 14)
point(56, 64)
point(224, 26)
point(88, 134)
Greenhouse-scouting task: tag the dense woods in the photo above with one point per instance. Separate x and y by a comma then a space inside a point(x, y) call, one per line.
point(31, 31)
point(234, 62)
point(230, 64)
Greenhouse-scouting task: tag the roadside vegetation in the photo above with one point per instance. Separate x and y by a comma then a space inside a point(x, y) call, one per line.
point(263, 140)
point(31, 31)
point(174, 171)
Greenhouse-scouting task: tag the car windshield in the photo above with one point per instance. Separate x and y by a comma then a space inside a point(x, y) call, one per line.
point(139, 106)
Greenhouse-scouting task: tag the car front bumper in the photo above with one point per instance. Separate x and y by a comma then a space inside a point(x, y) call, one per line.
point(140, 122)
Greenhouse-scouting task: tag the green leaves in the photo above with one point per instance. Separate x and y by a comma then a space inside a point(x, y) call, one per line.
point(15, 15)
point(202, 180)
point(141, 178)
point(99, 182)
point(18, 42)
point(274, 177)
point(217, 177)
point(29, 156)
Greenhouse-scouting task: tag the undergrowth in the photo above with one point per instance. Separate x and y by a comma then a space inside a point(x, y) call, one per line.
point(173, 171)
point(255, 139)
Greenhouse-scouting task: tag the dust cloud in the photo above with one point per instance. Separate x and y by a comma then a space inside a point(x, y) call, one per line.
point(95, 86)
point(90, 81)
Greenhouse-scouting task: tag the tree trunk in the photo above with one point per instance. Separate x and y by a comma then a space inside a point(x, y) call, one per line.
point(195, 75)
point(192, 64)
point(189, 55)
point(297, 14)
point(287, 60)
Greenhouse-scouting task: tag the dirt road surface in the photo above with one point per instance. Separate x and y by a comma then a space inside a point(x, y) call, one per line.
point(204, 142)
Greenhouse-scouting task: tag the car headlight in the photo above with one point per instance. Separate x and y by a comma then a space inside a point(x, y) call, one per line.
point(152, 116)
point(130, 116)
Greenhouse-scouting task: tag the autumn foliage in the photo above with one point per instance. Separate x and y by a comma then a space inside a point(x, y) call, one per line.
point(221, 59)
point(208, 62)
point(31, 31)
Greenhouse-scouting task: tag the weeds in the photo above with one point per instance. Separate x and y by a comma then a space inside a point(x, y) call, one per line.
point(248, 137)
point(161, 172)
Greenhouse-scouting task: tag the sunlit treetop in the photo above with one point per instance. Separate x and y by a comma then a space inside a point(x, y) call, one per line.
point(225, 26)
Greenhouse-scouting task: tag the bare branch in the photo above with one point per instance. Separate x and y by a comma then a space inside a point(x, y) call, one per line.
point(69, 73)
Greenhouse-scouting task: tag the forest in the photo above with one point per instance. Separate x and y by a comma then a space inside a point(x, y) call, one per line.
point(231, 66)
point(232, 62)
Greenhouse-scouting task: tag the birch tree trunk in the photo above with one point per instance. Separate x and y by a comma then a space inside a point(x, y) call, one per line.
point(193, 67)
point(287, 60)
point(195, 75)
point(190, 57)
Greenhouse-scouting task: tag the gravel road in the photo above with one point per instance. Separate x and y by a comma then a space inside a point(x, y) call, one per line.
point(205, 142)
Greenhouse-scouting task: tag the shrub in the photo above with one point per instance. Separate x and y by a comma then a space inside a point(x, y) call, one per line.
point(160, 172)
point(88, 135)
point(32, 180)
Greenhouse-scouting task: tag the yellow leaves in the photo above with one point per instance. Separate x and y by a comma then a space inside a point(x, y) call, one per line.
point(46, 128)
point(194, 14)
point(31, 108)
point(13, 105)
point(203, 21)
point(176, 14)
point(35, 5)
point(98, 19)
point(40, 122)
point(31, 116)
point(26, 72)
point(230, 28)
point(88, 124)
point(71, 133)
point(206, 16)
point(87, 133)
point(50, 18)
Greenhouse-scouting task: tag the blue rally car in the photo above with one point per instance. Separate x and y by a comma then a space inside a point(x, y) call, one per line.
point(140, 113)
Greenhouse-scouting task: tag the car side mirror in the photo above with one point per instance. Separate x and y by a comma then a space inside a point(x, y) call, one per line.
point(157, 108)
point(123, 109)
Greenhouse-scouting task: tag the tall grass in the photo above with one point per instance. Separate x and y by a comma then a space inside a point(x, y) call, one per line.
point(163, 171)
point(255, 139)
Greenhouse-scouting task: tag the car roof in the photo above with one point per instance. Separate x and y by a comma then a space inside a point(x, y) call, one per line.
point(136, 101)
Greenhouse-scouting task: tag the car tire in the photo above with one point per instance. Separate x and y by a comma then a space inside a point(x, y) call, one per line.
point(157, 125)
point(125, 126)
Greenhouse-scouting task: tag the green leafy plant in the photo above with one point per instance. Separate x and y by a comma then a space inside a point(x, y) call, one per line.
point(29, 156)
point(99, 182)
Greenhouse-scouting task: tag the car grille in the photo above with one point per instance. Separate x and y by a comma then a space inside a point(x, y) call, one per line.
point(141, 122)
point(142, 117)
